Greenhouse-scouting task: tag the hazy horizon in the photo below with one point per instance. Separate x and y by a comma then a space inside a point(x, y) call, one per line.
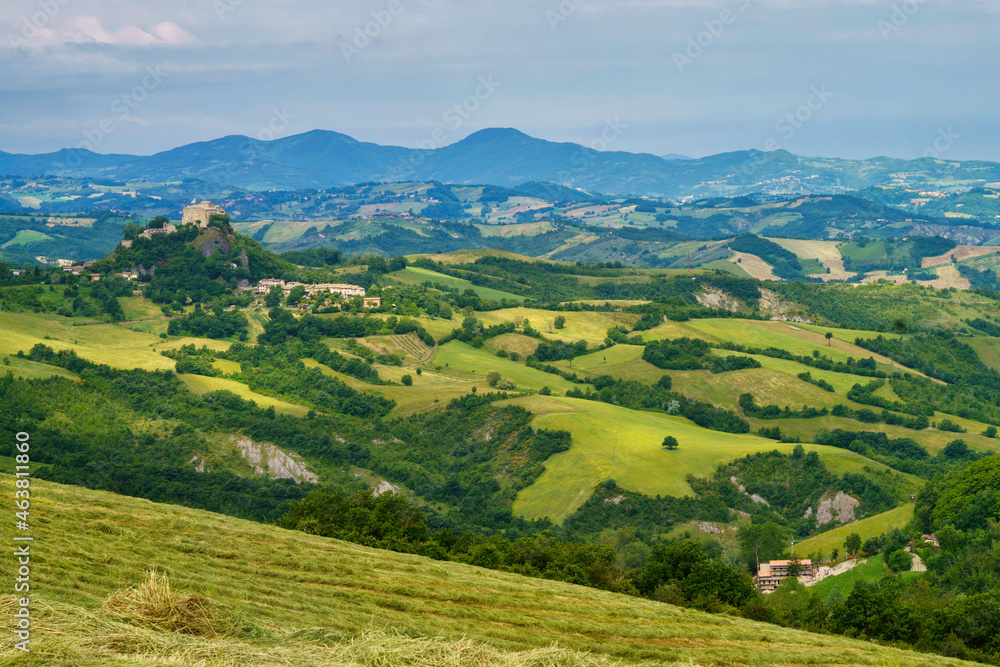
point(853, 79)
point(469, 134)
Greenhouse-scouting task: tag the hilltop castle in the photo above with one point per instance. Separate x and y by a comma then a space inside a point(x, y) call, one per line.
point(195, 214)
point(201, 214)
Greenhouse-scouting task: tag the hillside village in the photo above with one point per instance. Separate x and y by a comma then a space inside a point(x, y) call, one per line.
point(201, 215)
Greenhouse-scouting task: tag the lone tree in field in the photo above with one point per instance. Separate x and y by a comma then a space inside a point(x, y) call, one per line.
point(829, 338)
point(853, 544)
point(559, 322)
point(670, 442)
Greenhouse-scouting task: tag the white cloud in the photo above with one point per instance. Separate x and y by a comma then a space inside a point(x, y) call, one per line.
point(171, 33)
point(91, 30)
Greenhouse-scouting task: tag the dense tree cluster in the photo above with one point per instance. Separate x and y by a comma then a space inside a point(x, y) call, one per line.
point(214, 323)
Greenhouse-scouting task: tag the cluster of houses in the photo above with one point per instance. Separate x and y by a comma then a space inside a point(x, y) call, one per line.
point(200, 215)
point(344, 291)
point(81, 269)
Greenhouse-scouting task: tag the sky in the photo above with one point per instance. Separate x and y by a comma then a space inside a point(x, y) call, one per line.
point(837, 78)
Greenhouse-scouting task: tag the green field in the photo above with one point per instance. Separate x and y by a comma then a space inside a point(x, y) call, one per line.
point(519, 343)
point(296, 599)
point(868, 569)
point(139, 308)
point(591, 327)
point(26, 236)
point(620, 361)
point(202, 385)
point(32, 370)
point(799, 339)
point(988, 350)
point(415, 275)
point(109, 344)
point(872, 526)
point(227, 367)
point(610, 442)
point(774, 383)
point(430, 389)
point(469, 364)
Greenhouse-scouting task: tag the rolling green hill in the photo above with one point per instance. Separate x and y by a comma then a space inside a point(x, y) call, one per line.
point(613, 440)
point(610, 442)
point(872, 526)
point(260, 595)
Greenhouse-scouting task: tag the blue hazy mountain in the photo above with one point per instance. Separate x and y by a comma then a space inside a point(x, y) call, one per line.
point(498, 156)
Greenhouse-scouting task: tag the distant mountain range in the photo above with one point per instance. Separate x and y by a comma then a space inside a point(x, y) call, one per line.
point(322, 159)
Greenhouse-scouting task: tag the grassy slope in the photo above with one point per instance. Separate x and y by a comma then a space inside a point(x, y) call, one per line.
point(591, 327)
point(415, 275)
point(988, 349)
point(115, 345)
point(870, 570)
point(202, 385)
point(307, 600)
point(474, 364)
point(872, 526)
point(430, 389)
point(610, 442)
point(32, 370)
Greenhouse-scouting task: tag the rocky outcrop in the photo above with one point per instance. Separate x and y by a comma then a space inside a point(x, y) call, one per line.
point(216, 240)
point(840, 507)
point(713, 297)
point(757, 499)
point(710, 528)
point(277, 464)
point(385, 487)
point(780, 310)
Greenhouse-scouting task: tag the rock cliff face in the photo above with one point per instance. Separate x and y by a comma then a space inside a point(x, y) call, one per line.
point(276, 463)
point(840, 507)
point(713, 297)
point(385, 487)
point(214, 239)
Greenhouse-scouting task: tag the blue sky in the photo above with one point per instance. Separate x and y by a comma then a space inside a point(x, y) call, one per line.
point(845, 78)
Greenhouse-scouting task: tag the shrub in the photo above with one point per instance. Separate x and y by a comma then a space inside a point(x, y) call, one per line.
point(899, 560)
